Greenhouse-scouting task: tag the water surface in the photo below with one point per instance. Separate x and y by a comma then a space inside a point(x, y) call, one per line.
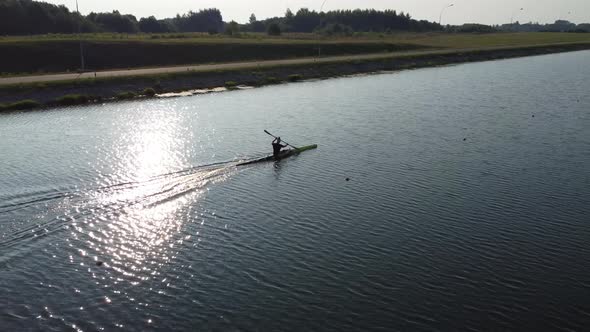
point(467, 206)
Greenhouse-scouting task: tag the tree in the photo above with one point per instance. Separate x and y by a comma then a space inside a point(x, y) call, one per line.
point(115, 22)
point(205, 20)
point(18, 17)
point(274, 29)
point(289, 14)
point(149, 24)
point(232, 28)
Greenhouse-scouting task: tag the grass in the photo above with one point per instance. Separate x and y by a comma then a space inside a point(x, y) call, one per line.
point(125, 95)
point(156, 79)
point(60, 53)
point(437, 39)
point(261, 75)
point(53, 56)
point(149, 92)
point(295, 77)
point(20, 105)
point(468, 40)
point(271, 80)
point(72, 99)
point(271, 74)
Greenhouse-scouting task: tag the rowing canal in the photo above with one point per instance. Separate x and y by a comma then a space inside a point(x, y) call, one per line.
point(468, 206)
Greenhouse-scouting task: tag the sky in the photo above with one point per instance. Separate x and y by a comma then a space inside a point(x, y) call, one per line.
point(462, 11)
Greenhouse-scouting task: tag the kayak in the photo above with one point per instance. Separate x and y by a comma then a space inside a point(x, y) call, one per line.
point(284, 154)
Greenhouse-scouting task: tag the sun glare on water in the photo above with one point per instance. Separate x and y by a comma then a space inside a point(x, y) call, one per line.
point(138, 222)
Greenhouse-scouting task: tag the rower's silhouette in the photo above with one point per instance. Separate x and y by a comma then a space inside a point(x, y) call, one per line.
point(276, 147)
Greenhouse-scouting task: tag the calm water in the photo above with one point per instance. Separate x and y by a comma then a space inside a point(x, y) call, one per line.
point(468, 206)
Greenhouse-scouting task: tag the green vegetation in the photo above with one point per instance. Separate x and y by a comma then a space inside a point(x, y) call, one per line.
point(337, 30)
point(35, 56)
point(231, 84)
point(271, 80)
point(60, 53)
point(125, 95)
point(473, 28)
point(274, 29)
point(359, 20)
point(72, 99)
point(295, 77)
point(20, 105)
point(232, 29)
point(149, 92)
point(470, 40)
point(272, 73)
point(23, 17)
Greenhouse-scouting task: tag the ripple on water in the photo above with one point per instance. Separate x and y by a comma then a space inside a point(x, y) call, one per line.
point(462, 211)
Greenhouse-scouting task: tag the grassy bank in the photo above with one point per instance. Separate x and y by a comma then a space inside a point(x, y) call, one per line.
point(25, 57)
point(118, 88)
point(60, 53)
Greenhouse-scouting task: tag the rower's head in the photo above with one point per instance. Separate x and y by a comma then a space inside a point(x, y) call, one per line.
point(278, 140)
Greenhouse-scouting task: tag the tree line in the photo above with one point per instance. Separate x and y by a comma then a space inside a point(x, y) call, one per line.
point(557, 26)
point(24, 17)
point(358, 20)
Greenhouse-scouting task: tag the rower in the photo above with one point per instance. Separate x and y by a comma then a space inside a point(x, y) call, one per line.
point(276, 147)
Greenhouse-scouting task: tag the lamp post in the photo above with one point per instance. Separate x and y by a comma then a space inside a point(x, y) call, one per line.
point(442, 11)
point(319, 27)
point(513, 14)
point(80, 36)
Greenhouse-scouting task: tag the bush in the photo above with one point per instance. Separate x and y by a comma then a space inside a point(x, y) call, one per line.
point(475, 28)
point(232, 29)
point(23, 105)
point(72, 100)
point(149, 92)
point(295, 78)
point(274, 30)
point(271, 80)
point(230, 84)
point(337, 29)
point(158, 86)
point(125, 95)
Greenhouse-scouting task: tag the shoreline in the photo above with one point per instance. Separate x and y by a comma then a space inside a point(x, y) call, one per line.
point(85, 91)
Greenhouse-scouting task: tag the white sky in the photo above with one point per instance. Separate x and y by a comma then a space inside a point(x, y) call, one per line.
point(463, 11)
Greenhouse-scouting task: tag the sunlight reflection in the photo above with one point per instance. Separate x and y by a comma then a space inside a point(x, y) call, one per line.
point(137, 218)
point(130, 228)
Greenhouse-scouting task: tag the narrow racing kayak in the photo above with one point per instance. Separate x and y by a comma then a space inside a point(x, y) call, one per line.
point(284, 154)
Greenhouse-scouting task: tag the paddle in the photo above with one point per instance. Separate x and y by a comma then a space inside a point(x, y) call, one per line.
point(266, 131)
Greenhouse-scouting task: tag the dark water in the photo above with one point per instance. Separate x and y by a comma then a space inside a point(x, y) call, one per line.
point(468, 206)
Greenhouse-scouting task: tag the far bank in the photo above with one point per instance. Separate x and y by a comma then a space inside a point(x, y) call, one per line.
point(38, 95)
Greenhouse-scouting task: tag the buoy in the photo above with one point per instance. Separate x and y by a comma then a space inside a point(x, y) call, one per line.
point(464, 139)
point(347, 179)
point(99, 263)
